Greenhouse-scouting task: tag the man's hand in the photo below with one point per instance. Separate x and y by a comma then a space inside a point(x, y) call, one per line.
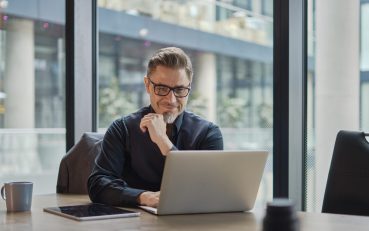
point(149, 199)
point(155, 125)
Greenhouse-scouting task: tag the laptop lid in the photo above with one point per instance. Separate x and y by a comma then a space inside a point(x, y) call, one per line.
point(210, 181)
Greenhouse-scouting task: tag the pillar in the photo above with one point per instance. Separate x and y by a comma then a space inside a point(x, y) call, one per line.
point(337, 79)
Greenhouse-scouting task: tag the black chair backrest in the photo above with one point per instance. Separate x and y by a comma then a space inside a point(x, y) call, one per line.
point(76, 166)
point(347, 190)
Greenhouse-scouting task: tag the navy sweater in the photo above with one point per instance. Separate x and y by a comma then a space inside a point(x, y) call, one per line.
point(130, 163)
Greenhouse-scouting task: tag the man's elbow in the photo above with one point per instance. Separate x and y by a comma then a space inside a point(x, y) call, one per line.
point(93, 188)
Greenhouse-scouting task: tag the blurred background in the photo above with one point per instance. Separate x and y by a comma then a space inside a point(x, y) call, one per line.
point(230, 43)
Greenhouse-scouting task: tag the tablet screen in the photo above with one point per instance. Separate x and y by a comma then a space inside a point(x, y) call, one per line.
point(91, 211)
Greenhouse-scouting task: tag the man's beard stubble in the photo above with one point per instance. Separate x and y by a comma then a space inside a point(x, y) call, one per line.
point(169, 117)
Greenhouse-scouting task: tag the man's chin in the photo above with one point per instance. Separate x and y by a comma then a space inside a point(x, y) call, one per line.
point(169, 117)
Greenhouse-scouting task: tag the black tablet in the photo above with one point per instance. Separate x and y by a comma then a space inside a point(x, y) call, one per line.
point(91, 212)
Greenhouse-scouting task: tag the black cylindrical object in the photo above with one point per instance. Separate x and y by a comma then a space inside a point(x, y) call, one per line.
point(281, 216)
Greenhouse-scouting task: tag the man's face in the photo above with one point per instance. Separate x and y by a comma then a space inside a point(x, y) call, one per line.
point(169, 106)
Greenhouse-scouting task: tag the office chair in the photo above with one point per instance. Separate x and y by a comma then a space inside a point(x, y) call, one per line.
point(77, 164)
point(347, 189)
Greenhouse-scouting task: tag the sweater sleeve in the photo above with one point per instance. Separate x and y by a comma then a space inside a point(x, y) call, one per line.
point(105, 184)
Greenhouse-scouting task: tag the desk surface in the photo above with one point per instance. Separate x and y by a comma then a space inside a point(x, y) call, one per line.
point(38, 220)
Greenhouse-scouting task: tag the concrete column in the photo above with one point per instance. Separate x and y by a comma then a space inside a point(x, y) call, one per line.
point(20, 149)
point(337, 79)
point(364, 65)
point(310, 28)
point(19, 81)
point(256, 6)
point(206, 79)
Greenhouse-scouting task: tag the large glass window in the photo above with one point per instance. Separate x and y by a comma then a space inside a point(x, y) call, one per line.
point(32, 92)
point(230, 45)
point(337, 84)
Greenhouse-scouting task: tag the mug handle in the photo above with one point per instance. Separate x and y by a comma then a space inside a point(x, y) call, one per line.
point(2, 192)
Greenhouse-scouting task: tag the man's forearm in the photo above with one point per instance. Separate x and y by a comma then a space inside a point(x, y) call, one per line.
point(165, 145)
point(113, 193)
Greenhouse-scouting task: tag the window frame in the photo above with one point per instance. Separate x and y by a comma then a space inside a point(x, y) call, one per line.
point(289, 96)
point(81, 69)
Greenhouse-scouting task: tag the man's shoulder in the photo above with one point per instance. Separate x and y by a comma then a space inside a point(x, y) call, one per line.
point(136, 116)
point(196, 128)
point(190, 117)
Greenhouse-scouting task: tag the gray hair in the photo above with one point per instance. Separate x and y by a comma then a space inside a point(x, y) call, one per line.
point(171, 57)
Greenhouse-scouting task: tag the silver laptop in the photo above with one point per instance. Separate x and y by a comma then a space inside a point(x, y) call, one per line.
point(210, 181)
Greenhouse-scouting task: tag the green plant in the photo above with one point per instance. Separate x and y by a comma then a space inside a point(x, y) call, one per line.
point(230, 112)
point(197, 104)
point(113, 103)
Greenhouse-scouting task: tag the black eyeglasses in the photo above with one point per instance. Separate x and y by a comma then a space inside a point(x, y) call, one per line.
point(163, 90)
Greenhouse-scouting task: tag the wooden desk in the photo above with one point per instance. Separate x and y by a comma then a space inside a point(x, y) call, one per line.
point(39, 220)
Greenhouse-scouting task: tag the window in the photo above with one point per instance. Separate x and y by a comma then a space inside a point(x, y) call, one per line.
point(32, 92)
point(232, 83)
point(337, 84)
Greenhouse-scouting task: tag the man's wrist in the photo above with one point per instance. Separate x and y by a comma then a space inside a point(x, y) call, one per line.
point(165, 146)
point(140, 198)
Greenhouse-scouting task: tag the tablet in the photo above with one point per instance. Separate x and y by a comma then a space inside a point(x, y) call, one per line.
point(92, 211)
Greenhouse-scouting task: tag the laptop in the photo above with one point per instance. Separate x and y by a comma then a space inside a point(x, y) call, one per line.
point(210, 182)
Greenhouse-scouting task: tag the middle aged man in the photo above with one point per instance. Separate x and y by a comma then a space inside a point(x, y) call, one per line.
point(129, 169)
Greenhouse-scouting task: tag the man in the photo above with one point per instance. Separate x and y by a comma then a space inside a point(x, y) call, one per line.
point(130, 166)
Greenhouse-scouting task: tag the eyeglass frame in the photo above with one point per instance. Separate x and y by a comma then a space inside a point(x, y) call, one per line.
point(170, 89)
